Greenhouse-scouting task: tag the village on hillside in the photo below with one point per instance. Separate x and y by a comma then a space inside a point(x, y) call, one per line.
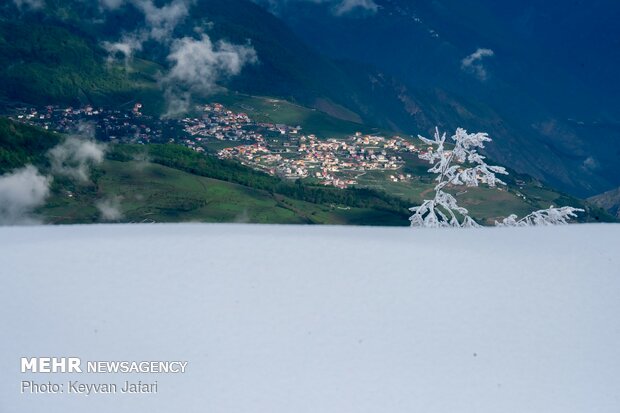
point(276, 149)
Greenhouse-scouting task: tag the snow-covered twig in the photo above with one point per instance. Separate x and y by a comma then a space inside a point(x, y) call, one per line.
point(463, 165)
point(544, 217)
point(443, 209)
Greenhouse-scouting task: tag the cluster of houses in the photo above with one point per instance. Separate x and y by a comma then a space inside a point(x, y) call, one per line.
point(276, 149)
point(219, 123)
point(128, 126)
point(332, 162)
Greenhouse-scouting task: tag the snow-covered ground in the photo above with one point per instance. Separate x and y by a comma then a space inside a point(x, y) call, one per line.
point(318, 319)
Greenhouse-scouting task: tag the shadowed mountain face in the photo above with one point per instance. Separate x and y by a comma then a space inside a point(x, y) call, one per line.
point(541, 88)
point(544, 72)
point(565, 53)
point(609, 201)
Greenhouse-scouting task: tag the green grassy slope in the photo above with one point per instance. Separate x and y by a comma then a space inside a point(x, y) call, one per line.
point(148, 192)
point(184, 159)
point(275, 110)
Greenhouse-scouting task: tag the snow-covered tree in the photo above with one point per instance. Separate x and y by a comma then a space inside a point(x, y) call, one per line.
point(464, 166)
point(544, 217)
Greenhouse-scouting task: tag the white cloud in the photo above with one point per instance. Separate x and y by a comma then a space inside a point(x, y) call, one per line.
point(163, 20)
point(160, 21)
point(591, 164)
point(473, 63)
point(160, 24)
point(127, 46)
point(348, 6)
point(21, 192)
point(75, 156)
point(110, 209)
point(198, 65)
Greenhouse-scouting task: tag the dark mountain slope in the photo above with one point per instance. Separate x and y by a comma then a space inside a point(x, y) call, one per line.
point(42, 63)
point(551, 80)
